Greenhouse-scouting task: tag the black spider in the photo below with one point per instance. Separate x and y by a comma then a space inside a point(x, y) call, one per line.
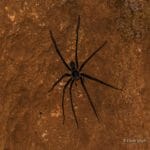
point(76, 74)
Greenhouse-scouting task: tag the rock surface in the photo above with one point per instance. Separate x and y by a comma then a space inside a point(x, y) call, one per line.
point(31, 118)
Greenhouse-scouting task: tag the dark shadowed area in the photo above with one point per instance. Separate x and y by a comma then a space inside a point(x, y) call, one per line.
point(31, 118)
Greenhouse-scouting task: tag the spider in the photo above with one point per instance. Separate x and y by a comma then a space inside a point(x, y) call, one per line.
point(76, 74)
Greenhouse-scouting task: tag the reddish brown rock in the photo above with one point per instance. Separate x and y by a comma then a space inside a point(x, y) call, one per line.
point(31, 118)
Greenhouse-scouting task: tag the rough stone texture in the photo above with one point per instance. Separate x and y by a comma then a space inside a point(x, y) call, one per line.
point(31, 118)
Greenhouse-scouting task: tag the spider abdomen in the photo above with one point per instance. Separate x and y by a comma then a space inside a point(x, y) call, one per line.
point(75, 74)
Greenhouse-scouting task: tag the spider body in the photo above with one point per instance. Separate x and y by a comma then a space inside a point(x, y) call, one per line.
point(75, 74)
point(74, 71)
point(72, 65)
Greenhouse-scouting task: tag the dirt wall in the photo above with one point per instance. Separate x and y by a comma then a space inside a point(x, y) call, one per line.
point(31, 118)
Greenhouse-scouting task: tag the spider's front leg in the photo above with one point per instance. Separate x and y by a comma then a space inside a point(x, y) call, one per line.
point(58, 51)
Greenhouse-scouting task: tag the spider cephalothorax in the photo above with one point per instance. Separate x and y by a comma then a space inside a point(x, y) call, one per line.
point(75, 74)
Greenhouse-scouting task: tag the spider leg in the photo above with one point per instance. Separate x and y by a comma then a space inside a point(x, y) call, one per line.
point(84, 63)
point(65, 75)
point(63, 96)
point(57, 50)
point(77, 33)
point(99, 81)
point(89, 98)
point(73, 110)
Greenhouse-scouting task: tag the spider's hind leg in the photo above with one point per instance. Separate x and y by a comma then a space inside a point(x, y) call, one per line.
point(63, 96)
point(54, 85)
point(73, 110)
point(89, 98)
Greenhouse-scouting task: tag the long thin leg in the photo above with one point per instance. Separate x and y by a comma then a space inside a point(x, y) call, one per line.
point(84, 63)
point(73, 110)
point(57, 50)
point(63, 96)
point(99, 81)
point(89, 98)
point(65, 75)
point(77, 33)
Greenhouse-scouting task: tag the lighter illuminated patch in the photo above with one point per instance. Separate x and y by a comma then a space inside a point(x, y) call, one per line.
point(44, 135)
point(139, 50)
point(12, 17)
point(56, 113)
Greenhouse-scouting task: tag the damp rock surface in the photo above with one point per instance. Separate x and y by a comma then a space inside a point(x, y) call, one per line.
point(31, 117)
